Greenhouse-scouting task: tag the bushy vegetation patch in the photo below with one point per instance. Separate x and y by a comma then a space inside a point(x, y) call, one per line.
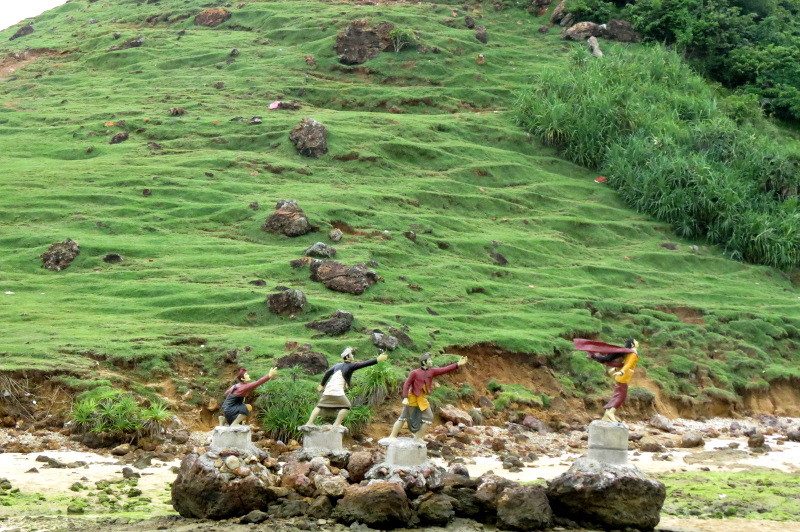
point(656, 130)
point(752, 45)
point(110, 410)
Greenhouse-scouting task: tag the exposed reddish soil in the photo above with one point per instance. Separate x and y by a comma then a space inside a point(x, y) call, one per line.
point(15, 61)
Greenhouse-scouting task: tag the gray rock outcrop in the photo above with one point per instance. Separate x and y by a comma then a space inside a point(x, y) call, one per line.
point(290, 301)
point(609, 496)
point(339, 323)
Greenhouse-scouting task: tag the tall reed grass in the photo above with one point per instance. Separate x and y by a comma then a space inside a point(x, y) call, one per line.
point(657, 131)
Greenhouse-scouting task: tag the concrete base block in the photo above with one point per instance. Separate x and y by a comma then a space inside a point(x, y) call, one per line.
point(404, 452)
point(608, 442)
point(323, 437)
point(232, 438)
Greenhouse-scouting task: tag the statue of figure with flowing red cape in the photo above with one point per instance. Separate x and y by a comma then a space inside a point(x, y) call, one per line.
point(621, 362)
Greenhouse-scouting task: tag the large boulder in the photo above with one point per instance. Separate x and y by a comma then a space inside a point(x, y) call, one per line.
point(608, 496)
point(559, 12)
point(435, 509)
point(60, 255)
point(383, 341)
point(287, 302)
point(311, 362)
point(381, 505)
point(524, 508)
point(463, 491)
point(212, 17)
point(456, 415)
point(661, 423)
point(692, 439)
point(359, 42)
point(22, 32)
point(321, 251)
point(339, 323)
point(310, 138)
point(359, 463)
point(621, 30)
point(341, 278)
point(481, 35)
point(582, 31)
point(288, 219)
point(490, 488)
point(208, 491)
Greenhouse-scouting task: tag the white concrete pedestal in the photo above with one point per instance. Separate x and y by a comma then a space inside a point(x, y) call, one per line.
point(608, 442)
point(325, 438)
point(404, 452)
point(232, 438)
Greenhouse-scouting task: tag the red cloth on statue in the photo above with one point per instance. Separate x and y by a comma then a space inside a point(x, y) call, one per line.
point(594, 346)
point(619, 396)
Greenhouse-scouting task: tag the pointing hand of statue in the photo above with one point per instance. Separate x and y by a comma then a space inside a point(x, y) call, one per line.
point(462, 361)
point(382, 357)
point(320, 388)
point(273, 372)
point(405, 401)
point(618, 373)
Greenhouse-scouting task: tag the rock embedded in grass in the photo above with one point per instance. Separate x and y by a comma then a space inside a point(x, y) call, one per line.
point(22, 32)
point(622, 31)
point(342, 278)
point(320, 250)
point(339, 323)
point(312, 363)
point(335, 235)
point(359, 42)
point(132, 43)
point(122, 136)
point(480, 34)
point(582, 31)
point(212, 17)
point(60, 255)
point(384, 341)
point(290, 301)
point(288, 219)
point(310, 138)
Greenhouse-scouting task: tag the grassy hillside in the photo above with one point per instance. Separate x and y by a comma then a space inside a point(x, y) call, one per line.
point(448, 163)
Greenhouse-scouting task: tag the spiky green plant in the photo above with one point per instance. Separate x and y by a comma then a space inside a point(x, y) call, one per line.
point(285, 403)
point(375, 383)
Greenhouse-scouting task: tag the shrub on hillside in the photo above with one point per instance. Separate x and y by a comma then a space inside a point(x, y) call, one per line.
point(752, 45)
point(645, 120)
point(109, 410)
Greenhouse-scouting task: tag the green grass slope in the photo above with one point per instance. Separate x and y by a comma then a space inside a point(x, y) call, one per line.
point(453, 167)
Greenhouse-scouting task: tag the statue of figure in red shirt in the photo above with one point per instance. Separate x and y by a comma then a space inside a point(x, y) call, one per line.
point(234, 409)
point(419, 384)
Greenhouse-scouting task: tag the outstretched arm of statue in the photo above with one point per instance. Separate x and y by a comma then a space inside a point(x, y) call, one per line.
point(244, 388)
point(445, 369)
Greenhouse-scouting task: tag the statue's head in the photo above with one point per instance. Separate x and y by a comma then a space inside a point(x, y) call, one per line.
point(348, 354)
point(426, 360)
point(242, 375)
point(631, 343)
